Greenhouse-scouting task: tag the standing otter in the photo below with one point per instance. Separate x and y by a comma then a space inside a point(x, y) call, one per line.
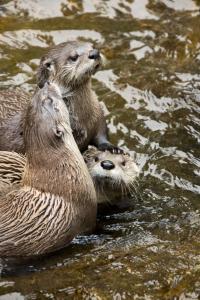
point(56, 199)
point(70, 65)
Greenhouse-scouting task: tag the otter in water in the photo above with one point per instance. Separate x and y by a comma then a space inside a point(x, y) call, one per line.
point(70, 65)
point(56, 199)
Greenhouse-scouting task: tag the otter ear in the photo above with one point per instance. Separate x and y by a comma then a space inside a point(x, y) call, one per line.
point(92, 148)
point(86, 157)
point(90, 152)
point(45, 69)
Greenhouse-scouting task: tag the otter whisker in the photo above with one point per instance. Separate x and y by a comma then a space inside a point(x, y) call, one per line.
point(138, 192)
point(129, 189)
point(132, 189)
point(123, 189)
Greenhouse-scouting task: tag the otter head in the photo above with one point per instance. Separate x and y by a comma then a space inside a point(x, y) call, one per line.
point(69, 64)
point(47, 126)
point(114, 175)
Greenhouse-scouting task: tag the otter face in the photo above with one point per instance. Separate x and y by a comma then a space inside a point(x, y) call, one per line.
point(47, 120)
point(111, 173)
point(69, 64)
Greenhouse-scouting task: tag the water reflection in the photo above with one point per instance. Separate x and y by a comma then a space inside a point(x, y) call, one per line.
point(36, 9)
point(37, 38)
point(151, 88)
point(12, 296)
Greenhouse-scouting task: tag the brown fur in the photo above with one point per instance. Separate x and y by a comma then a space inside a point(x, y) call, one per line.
point(12, 113)
point(11, 170)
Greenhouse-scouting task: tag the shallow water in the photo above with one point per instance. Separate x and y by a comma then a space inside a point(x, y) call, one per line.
point(151, 88)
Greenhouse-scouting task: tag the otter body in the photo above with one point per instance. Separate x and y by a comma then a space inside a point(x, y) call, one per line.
point(12, 167)
point(56, 199)
point(70, 65)
point(88, 125)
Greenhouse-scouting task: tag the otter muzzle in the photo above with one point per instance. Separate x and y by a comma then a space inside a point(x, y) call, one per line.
point(94, 54)
point(107, 165)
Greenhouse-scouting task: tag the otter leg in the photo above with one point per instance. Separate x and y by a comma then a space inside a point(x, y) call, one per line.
point(101, 139)
point(110, 147)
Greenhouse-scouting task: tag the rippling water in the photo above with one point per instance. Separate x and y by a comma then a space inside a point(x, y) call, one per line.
point(151, 88)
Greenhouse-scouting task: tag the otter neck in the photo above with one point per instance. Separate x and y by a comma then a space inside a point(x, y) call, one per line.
point(78, 93)
point(60, 174)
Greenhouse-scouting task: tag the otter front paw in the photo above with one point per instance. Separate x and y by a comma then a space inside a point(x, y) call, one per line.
point(111, 148)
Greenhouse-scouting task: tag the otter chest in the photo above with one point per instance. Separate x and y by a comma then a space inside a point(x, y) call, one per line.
point(83, 124)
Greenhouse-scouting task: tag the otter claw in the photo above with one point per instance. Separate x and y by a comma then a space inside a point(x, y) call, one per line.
point(116, 150)
point(113, 149)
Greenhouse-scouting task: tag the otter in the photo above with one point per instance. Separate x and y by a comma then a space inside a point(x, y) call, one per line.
point(56, 199)
point(70, 65)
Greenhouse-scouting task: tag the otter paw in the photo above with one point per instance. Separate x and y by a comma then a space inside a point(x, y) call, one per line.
point(113, 149)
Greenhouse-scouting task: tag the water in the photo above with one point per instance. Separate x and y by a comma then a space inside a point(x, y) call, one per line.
point(151, 88)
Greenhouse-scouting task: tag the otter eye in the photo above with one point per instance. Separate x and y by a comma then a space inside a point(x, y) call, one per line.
point(123, 163)
point(74, 57)
point(58, 132)
point(96, 159)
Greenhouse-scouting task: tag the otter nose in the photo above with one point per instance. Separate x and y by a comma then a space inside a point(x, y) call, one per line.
point(94, 54)
point(107, 165)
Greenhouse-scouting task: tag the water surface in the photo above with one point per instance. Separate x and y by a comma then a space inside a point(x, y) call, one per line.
point(151, 88)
